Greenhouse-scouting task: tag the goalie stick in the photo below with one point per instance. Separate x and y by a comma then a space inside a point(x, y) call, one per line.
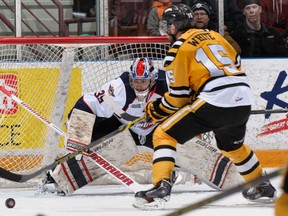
point(226, 193)
point(101, 143)
point(115, 108)
point(22, 177)
point(115, 172)
point(31, 110)
point(25, 177)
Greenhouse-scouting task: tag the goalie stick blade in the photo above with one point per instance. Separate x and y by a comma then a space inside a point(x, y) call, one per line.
point(9, 175)
point(5, 174)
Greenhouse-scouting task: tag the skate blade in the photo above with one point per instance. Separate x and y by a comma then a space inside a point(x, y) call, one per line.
point(156, 204)
point(265, 199)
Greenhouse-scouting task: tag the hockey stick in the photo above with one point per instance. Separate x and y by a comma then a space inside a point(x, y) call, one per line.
point(11, 176)
point(107, 166)
point(269, 111)
point(115, 172)
point(226, 193)
point(108, 100)
point(101, 143)
point(31, 110)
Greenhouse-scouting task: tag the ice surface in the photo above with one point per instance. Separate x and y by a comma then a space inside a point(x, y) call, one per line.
point(116, 200)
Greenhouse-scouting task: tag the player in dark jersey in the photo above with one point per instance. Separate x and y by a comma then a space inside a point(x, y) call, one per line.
point(208, 91)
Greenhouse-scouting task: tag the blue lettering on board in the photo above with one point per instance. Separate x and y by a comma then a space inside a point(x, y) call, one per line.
point(271, 96)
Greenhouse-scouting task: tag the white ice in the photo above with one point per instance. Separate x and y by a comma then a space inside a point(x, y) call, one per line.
point(116, 200)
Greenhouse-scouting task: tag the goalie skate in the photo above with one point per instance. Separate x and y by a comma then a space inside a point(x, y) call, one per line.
point(143, 204)
point(49, 186)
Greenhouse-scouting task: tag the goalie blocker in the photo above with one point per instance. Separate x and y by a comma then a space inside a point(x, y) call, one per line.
point(207, 163)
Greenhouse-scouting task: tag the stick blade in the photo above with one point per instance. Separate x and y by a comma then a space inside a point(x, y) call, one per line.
point(10, 176)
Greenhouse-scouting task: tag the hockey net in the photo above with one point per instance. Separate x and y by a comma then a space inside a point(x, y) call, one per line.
point(50, 74)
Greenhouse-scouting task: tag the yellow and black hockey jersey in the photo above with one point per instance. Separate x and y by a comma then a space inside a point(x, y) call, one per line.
point(201, 63)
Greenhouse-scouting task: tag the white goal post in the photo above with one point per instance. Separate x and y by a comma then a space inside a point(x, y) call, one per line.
point(50, 74)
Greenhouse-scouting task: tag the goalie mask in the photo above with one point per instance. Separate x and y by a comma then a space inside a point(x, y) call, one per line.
point(142, 77)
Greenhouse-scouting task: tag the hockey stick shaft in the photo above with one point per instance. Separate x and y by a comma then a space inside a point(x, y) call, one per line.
point(121, 176)
point(100, 143)
point(271, 111)
point(130, 184)
point(226, 193)
point(32, 111)
point(108, 100)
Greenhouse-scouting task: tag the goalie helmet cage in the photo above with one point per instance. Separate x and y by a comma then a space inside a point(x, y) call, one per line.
point(50, 74)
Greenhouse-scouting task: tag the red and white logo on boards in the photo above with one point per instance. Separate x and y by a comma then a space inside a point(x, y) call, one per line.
point(7, 105)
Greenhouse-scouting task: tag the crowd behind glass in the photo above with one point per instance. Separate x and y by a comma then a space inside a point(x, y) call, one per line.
point(260, 31)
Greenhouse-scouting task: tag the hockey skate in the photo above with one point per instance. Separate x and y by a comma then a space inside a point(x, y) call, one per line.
point(49, 186)
point(156, 197)
point(263, 192)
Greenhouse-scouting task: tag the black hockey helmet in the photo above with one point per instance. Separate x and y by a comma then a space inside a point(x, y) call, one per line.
point(179, 15)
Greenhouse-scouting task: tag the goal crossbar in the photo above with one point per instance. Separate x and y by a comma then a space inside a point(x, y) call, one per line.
point(86, 39)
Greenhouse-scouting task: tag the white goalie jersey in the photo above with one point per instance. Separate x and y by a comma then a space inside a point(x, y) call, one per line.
point(124, 98)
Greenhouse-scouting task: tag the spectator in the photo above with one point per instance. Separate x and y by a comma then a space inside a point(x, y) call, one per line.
point(275, 14)
point(256, 39)
point(202, 12)
point(126, 18)
point(84, 7)
point(155, 15)
point(233, 16)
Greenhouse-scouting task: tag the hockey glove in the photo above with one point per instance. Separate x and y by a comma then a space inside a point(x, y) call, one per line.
point(153, 112)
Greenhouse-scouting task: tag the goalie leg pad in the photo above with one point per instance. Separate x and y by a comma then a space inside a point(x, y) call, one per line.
point(206, 162)
point(75, 174)
point(79, 129)
point(72, 175)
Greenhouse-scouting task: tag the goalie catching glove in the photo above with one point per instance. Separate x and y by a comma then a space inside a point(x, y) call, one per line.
point(153, 112)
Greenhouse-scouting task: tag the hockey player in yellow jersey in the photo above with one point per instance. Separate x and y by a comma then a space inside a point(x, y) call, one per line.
point(208, 91)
